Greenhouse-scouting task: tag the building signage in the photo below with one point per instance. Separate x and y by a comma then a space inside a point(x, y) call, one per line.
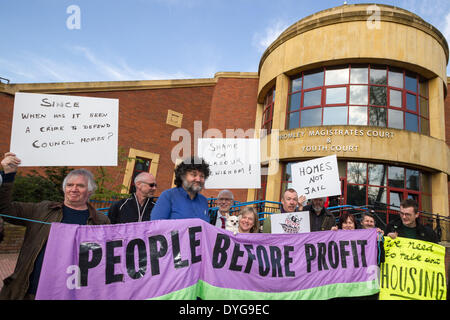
point(330, 133)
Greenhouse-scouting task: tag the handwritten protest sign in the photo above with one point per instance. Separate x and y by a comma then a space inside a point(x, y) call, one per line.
point(316, 178)
point(293, 222)
point(60, 130)
point(234, 163)
point(413, 269)
point(190, 258)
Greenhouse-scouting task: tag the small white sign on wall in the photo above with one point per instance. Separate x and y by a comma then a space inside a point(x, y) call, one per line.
point(234, 163)
point(61, 130)
point(292, 222)
point(316, 178)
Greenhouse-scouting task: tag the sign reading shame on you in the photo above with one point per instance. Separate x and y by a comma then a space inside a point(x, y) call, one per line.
point(60, 130)
point(189, 258)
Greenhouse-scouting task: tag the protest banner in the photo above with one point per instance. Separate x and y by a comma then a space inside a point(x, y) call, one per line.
point(186, 259)
point(292, 222)
point(316, 178)
point(60, 130)
point(413, 270)
point(234, 163)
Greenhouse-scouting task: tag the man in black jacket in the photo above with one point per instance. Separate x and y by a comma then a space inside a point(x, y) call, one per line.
point(320, 219)
point(139, 206)
point(408, 226)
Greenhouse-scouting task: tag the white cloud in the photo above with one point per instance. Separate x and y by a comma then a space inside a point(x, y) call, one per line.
point(81, 65)
point(11, 70)
point(262, 40)
point(446, 30)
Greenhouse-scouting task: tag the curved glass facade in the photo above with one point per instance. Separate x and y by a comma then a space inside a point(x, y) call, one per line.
point(364, 183)
point(367, 95)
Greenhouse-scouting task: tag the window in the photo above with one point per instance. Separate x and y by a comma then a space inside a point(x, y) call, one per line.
point(138, 161)
point(267, 116)
point(140, 165)
point(336, 95)
point(312, 98)
point(366, 95)
point(334, 116)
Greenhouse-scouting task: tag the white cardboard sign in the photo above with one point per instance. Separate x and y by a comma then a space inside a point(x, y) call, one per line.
point(234, 163)
point(60, 130)
point(292, 222)
point(316, 178)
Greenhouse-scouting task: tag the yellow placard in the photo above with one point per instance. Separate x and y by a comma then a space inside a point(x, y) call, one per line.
point(413, 270)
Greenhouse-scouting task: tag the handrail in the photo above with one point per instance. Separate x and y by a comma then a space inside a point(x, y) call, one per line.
point(381, 211)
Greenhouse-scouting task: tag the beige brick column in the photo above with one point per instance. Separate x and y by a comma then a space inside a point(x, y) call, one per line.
point(279, 118)
point(437, 108)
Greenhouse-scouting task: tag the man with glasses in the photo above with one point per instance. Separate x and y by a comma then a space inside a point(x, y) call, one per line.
point(225, 200)
point(408, 226)
point(138, 207)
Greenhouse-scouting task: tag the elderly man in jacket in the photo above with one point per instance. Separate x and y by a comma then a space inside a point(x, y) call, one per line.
point(320, 218)
point(78, 186)
point(138, 207)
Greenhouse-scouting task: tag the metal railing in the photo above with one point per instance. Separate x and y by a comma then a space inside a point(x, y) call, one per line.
point(6, 80)
point(382, 212)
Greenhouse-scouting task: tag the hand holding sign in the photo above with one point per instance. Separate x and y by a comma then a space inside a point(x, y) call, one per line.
point(10, 163)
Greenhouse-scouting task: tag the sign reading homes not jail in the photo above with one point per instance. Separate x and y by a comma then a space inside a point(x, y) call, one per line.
point(61, 130)
point(316, 178)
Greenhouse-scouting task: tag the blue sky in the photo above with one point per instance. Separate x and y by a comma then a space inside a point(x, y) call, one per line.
point(155, 39)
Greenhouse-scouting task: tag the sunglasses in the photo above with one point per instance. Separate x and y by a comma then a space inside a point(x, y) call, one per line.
point(151, 185)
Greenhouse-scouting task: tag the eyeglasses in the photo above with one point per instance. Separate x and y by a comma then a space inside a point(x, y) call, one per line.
point(406, 214)
point(151, 185)
point(224, 199)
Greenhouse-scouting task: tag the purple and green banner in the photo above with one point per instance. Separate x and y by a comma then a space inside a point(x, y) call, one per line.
point(186, 259)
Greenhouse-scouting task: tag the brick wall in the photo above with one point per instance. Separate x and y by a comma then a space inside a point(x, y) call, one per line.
point(6, 110)
point(233, 107)
point(142, 125)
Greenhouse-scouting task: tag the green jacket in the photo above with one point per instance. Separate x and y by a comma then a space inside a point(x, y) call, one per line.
point(36, 235)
